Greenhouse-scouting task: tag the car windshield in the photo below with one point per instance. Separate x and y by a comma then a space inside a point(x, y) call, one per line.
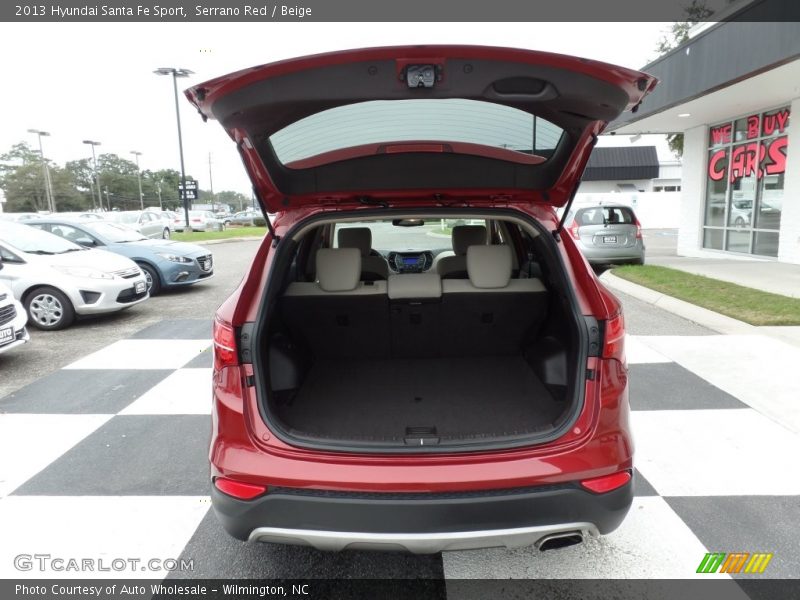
point(114, 233)
point(444, 120)
point(433, 235)
point(35, 241)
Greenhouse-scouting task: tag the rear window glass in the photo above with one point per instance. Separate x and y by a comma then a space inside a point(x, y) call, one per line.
point(424, 120)
point(434, 234)
point(603, 215)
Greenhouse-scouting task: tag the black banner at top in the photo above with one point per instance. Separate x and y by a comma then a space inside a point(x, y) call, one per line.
point(408, 11)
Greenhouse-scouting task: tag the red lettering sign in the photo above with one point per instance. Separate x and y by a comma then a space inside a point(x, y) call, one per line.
point(721, 135)
point(750, 160)
point(777, 156)
point(776, 122)
point(717, 165)
point(752, 126)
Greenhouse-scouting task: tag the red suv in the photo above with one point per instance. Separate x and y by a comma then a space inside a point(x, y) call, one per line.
point(419, 357)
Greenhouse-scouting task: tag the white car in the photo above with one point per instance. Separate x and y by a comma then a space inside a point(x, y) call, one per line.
point(56, 280)
point(12, 320)
point(149, 223)
point(199, 220)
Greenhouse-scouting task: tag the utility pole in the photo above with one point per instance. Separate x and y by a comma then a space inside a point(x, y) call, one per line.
point(48, 186)
point(139, 177)
point(96, 174)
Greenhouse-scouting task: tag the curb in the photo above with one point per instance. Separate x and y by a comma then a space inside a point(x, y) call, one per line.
point(233, 239)
point(702, 316)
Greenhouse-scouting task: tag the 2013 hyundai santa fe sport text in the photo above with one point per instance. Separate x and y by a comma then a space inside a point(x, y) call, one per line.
point(418, 358)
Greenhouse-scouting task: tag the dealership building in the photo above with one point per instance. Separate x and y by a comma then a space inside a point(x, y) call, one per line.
point(733, 90)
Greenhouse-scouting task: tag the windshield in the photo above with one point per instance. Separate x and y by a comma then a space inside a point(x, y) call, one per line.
point(114, 233)
point(449, 119)
point(35, 241)
point(434, 235)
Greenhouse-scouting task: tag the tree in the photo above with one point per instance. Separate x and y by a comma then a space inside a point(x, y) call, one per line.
point(23, 182)
point(679, 33)
point(235, 199)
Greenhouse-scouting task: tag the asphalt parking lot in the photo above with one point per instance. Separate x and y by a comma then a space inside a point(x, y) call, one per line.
point(123, 405)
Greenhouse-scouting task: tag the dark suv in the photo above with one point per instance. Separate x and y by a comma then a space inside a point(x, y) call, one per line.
point(419, 356)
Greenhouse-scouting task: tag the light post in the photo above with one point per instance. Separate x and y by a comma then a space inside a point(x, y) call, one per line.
point(175, 74)
point(160, 203)
point(96, 174)
point(137, 154)
point(48, 186)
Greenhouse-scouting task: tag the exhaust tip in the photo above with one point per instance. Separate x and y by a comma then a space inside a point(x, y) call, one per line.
point(560, 540)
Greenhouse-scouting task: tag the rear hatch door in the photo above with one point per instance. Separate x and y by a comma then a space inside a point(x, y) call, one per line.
point(421, 124)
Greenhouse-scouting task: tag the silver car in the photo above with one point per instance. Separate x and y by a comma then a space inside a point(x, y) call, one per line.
point(607, 234)
point(149, 223)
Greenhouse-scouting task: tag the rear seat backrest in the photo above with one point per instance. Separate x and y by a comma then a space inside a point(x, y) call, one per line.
point(490, 314)
point(415, 320)
point(339, 316)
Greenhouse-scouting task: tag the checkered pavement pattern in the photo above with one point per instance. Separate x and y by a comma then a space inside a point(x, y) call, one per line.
point(107, 457)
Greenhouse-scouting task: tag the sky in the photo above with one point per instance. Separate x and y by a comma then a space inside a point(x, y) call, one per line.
point(95, 81)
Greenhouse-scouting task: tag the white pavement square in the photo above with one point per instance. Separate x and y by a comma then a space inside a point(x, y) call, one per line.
point(185, 392)
point(637, 351)
point(29, 443)
point(143, 354)
point(652, 542)
point(733, 452)
point(758, 370)
point(99, 529)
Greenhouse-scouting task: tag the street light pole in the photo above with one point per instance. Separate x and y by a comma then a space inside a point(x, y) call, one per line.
point(48, 186)
point(96, 174)
point(139, 177)
point(175, 74)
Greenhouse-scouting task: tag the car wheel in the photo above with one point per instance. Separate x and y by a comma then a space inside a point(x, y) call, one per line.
point(739, 222)
point(153, 280)
point(165, 234)
point(49, 309)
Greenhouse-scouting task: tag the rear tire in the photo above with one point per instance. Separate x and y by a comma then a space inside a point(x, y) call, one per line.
point(153, 280)
point(165, 234)
point(49, 309)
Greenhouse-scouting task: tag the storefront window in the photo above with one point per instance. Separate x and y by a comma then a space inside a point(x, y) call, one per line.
point(744, 191)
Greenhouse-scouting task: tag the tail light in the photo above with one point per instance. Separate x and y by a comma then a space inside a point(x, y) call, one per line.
point(239, 489)
point(573, 230)
point(638, 228)
point(614, 342)
point(225, 354)
point(607, 483)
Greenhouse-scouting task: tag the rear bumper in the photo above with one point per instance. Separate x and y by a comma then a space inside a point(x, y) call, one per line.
point(421, 523)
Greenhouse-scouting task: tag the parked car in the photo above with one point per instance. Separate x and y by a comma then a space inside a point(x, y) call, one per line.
point(81, 216)
point(13, 318)
point(23, 216)
point(245, 218)
point(362, 399)
point(165, 263)
point(57, 280)
point(607, 234)
point(199, 220)
point(147, 222)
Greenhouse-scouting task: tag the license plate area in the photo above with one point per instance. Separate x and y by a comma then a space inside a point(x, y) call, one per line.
point(6, 336)
point(140, 287)
point(609, 239)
